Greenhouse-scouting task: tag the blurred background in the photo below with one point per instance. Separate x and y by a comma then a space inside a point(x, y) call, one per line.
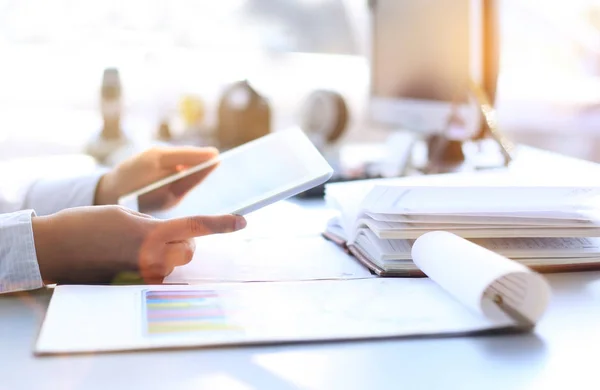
point(172, 52)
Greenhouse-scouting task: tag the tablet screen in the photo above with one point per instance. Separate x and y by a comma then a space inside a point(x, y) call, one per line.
point(245, 176)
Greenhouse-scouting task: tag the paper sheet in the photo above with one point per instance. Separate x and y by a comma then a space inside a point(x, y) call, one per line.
point(104, 318)
point(542, 202)
point(484, 231)
point(476, 276)
point(460, 220)
point(557, 247)
point(223, 258)
point(377, 226)
point(401, 229)
point(381, 249)
point(283, 220)
point(521, 248)
point(347, 196)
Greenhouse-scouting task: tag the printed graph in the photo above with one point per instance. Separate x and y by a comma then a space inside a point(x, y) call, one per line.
point(183, 312)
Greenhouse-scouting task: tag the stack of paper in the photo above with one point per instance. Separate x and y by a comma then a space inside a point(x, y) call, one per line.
point(547, 228)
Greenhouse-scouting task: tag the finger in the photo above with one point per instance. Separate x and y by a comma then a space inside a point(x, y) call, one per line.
point(188, 227)
point(170, 158)
point(158, 264)
point(137, 213)
point(150, 266)
point(154, 272)
point(179, 253)
point(182, 186)
point(151, 276)
point(154, 264)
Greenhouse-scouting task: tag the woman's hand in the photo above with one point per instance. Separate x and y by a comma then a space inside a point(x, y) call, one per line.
point(98, 244)
point(150, 166)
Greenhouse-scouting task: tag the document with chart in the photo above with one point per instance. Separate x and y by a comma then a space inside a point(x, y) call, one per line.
point(476, 292)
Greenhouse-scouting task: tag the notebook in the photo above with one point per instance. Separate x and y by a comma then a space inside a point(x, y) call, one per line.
point(495, 294)
point(547, 228)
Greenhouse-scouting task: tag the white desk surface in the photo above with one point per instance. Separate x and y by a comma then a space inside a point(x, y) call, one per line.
point(562, 352)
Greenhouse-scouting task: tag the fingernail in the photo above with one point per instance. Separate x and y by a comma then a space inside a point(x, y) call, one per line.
point(240, 222)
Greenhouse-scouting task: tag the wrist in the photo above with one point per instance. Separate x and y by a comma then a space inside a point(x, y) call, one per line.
point(105, 193)
point(45, 246)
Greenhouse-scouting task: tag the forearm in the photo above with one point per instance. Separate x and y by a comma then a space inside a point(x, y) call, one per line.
point(48, 196)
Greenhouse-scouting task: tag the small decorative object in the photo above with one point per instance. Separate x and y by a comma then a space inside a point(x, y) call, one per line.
point(243, 115)
point(164, 131)
point(324, 117)
point(192, 112)
point(111, 104)
point(445, 150)
point(111, 137)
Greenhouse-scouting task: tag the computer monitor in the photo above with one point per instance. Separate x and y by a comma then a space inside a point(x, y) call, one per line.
point(423, 54)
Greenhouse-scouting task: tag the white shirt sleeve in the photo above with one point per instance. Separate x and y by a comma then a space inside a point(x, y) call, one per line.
point(19, 269)
point(29, 185)
point(50, 196)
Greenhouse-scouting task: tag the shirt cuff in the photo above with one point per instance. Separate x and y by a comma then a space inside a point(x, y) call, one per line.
point(48, 196)
point(19, 269)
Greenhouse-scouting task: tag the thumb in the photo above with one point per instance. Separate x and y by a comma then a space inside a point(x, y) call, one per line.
point(188, 227)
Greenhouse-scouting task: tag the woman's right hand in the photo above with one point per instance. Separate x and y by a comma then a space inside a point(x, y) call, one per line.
point(100, 243)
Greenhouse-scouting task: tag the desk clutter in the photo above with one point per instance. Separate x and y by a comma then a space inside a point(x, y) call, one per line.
point(432, 255)
point(546, 228)
point(83, 319)
point(482, 247)
point(242, 114)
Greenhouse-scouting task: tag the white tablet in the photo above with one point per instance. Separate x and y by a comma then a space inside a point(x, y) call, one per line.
point(251, 176)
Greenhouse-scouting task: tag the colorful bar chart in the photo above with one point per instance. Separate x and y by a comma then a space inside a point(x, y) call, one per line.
point(182, 312)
